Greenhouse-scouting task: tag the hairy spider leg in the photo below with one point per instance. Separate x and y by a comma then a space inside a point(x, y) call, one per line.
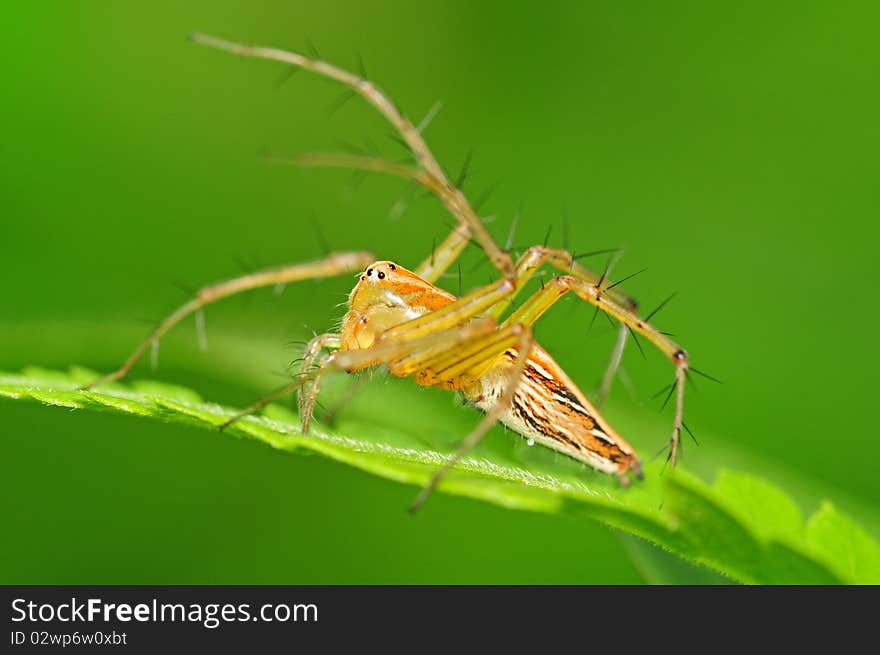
point(562, 260)
point(328, 341)
point(453, 198)
point(334, 264)
point(441, 257)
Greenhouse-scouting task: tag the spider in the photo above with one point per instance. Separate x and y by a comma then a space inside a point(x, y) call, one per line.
point(399, 318)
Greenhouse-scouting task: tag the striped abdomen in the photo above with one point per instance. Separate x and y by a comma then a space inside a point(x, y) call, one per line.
point(550, 409)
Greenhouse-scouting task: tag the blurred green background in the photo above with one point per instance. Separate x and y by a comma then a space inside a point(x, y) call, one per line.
point(732, 150)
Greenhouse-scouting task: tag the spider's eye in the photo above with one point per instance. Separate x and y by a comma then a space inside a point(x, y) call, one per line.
point(381, 275)
point(369, 271)
point(392, 266)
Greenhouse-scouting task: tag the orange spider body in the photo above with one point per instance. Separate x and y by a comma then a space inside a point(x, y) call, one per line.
point(377, 304)
point(547, 406)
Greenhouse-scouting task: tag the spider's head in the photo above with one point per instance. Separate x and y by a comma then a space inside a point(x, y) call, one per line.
point(383, 273)
point(387, 295)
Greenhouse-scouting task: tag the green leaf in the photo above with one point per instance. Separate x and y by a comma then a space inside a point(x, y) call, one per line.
point(772, 513)
point(851, 552)
point(742, 527)
point(725, 538)
point(660, 567)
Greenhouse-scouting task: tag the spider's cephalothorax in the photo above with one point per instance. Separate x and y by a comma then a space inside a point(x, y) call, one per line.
point(385, 296)
point(399, 318)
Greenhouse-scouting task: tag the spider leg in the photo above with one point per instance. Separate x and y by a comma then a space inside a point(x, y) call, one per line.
point(455, 365)
point(328, 341)
point(441, 257)
point(448, 251)
point(544, 298)
point(332, 412)
point(439, 261)
point(313, 349)
point(452, 197)
point(456, 313)
point(360, 162)
point(265, 400)
point(613, 366)
point(334, 264)
point(384, 351)
point(441, 367)
point(562, 260)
